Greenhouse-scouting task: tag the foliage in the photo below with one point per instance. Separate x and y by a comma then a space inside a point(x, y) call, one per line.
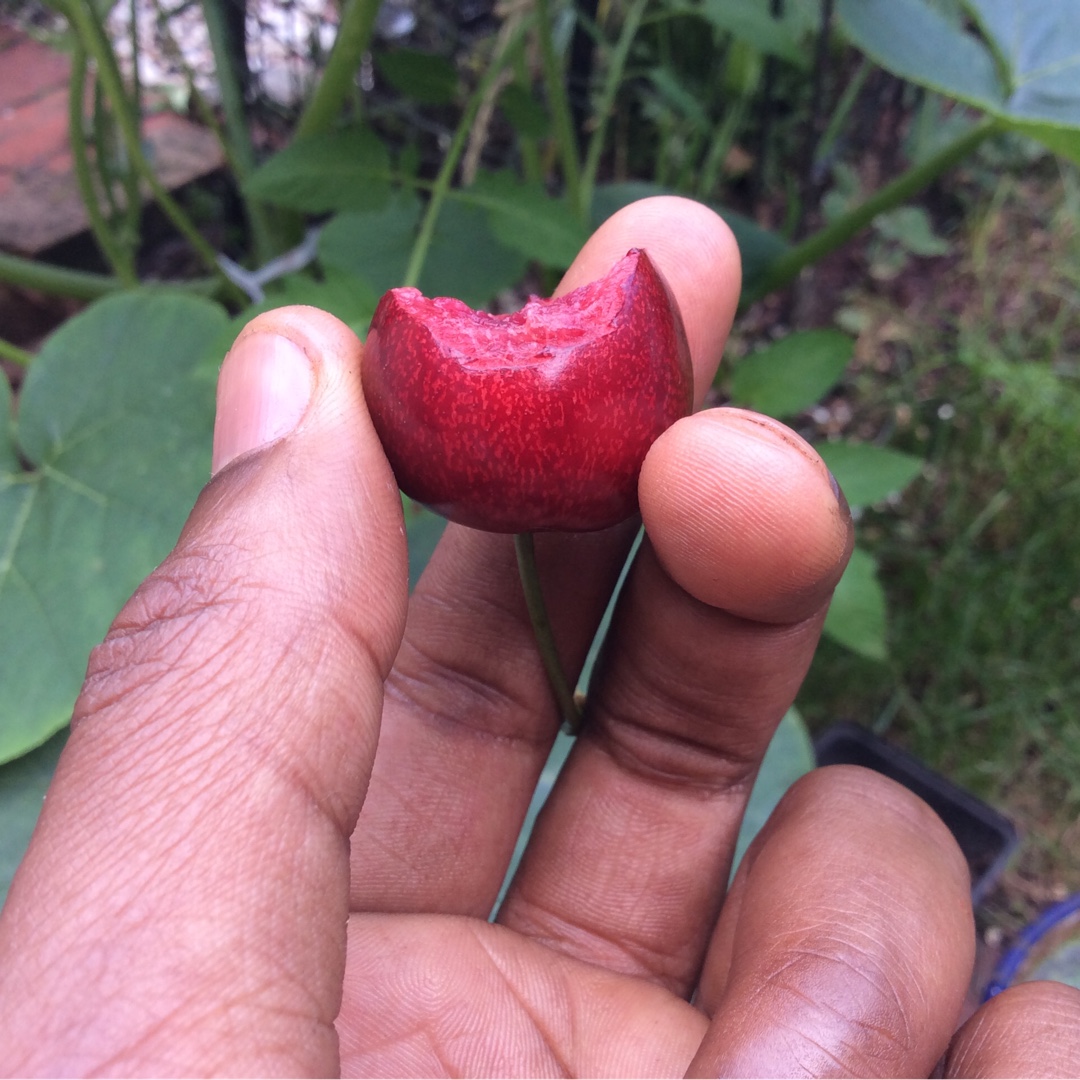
point(112, 434)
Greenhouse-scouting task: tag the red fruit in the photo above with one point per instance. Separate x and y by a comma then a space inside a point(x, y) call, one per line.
point(536, 420)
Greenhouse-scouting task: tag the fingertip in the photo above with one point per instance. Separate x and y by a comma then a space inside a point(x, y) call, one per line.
point(694, 250)
point(280, 361)
point(744, 515)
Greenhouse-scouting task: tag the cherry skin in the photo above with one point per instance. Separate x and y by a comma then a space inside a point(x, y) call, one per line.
point(536, 420)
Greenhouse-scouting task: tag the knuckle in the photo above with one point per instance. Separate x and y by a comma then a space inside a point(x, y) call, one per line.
point(177, 628)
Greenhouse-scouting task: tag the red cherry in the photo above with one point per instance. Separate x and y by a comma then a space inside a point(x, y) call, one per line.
point(536, 420)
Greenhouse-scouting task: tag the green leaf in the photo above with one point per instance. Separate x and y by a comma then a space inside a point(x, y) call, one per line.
point(1063, 141)
point(348, 297)
point(910, 227)
point(856, 616)
point(466, 259)
point(115, 429)
point(22, 791)
point(913, 40)
point(427, 78)
point(1027, 74)
point(750, 21)
point(339, 170)
point(1039, 44)
point(792, 374)
point(373, 246)
point(868, 474)
point(525, 218)
point(424, 530)
point(790, 755)
point(757, 246)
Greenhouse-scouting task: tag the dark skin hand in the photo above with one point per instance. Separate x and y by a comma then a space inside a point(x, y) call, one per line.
point(291, 792)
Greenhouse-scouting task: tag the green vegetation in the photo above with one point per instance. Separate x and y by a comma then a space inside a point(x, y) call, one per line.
point(912, 309)
point(981, 559)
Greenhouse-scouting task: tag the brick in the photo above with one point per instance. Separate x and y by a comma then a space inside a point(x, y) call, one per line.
point(31, 134)
point(30, 69)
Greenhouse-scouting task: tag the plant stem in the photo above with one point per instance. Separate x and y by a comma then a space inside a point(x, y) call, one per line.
point(55, 280)
point(441, 184)
point(816, 246)
point(118, 259)
point(15, 354)
point(612, 82)
point(353, 38)
point(86, 24)
point(81, 284)
point(241, 153)
point(541, 624)
point(555, 86)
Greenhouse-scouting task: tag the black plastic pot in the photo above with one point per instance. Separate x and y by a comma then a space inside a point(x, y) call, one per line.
point(987, 838)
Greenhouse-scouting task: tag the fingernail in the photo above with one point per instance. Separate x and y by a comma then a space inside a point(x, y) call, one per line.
point(263, 391)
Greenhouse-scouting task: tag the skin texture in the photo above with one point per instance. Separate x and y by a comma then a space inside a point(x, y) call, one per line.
point(291, 791)
point(536, 420)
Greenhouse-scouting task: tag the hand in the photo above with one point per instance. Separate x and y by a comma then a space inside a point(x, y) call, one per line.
point(190, 904)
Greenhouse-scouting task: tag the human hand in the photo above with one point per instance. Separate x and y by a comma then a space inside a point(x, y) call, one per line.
point(190, 903)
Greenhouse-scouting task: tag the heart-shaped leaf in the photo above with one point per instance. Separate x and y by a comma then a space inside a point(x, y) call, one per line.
point(1026, 72)
point(110, 450)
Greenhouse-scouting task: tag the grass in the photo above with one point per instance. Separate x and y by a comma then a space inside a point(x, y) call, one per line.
point(981, 561)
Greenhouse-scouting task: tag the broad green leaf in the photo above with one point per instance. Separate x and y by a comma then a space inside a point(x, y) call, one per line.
point(22, 791)
point(913, 40)
point(856, 616)
point(868, 474)
point(525, 218)
point(790, 755)
point(1063, 141)
point(466, 259)
point(340, 170)
point(750, 21)
point(373, 245)
point(427, 78)
point(1039, 43)
point(115, 428)
point(757, 246)
point(1026, 73)
point(792, 374)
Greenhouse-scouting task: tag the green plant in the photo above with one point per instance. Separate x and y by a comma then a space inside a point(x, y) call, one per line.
point(75, 522)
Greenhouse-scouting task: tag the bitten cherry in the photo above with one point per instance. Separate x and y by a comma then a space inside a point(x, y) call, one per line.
point(535, 420)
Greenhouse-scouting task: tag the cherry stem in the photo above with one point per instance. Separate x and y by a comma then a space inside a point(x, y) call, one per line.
point(545, 640)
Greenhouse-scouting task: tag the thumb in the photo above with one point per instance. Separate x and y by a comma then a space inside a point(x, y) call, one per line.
point(182, 908)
